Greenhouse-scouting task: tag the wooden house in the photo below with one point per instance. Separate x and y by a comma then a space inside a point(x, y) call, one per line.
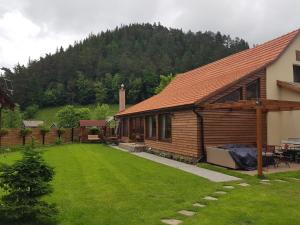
point(250, 97)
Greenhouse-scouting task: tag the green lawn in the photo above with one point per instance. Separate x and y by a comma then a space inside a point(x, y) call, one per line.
point(95, 184)
point(49, 114)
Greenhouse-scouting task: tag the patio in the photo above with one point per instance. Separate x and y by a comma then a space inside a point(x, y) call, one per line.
point(272, 169)
point(261, 107)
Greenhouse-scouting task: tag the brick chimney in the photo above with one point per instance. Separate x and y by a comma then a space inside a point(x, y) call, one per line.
point(122, 103)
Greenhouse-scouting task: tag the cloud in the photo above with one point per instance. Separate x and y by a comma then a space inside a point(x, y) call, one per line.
point(31, 28)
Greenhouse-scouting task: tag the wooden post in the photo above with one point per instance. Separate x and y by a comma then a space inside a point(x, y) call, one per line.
point(259, 140)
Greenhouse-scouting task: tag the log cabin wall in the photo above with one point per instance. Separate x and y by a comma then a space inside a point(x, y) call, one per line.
point(233, 126)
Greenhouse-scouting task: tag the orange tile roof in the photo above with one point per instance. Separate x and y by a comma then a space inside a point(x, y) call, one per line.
point(193, 86)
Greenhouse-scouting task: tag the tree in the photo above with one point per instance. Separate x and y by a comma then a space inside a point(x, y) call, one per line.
point(12, 119)
point(85, 92)
point(102, 111)
point(26, 182)
point(44, 130)
point(100, 92)
point(69, 116)
point(24, 132)
point(164, 81)
point(122, 55)
point(60, 132)
point(30, 111)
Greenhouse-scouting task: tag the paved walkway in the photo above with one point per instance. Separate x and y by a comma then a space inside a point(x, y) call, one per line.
point(201, 172)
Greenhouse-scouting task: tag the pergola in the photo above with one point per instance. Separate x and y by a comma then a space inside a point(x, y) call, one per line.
point(260, 106)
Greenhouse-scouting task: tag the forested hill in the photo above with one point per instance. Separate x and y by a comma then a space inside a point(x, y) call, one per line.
point(92, 70)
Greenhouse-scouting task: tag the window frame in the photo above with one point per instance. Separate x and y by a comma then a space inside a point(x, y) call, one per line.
point(125, 125)
point(223, 98)
point(160, 138)
point(258, 91)
point(154, 129)
point(298, 67)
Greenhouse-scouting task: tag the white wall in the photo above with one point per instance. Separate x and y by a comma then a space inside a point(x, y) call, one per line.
point(283, 125)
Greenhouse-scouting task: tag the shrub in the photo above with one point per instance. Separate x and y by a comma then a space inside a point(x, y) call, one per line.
point(69, 116)
point(30, 111)
point(102, 111)
point(58, 141)
point(22, 203)
point(94, 130)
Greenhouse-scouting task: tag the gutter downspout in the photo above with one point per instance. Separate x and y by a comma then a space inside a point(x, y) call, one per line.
point(202, 152)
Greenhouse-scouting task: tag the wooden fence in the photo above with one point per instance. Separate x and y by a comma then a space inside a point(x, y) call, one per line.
point(13, 137)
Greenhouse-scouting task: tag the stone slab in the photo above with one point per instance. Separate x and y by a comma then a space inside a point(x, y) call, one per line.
point(210, 198)
point(171, 221)
point(199, 205)
point(220, 192)
point(228, 187)
point(186, 212)
point(244, 184)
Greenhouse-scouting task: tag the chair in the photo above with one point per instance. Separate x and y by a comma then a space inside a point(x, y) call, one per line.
point(281, 156)
point(297, 157)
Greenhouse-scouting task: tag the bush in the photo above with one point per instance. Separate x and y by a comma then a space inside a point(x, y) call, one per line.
point(22, 203)
point(58, 141)
point(44, 130)
point(25, 131)
point(69, 116)
point(30, 111)
point(94, 131)
point(102, 111)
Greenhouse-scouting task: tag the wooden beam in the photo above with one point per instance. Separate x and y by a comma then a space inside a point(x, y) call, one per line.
point(289, 85)
point(259, 140)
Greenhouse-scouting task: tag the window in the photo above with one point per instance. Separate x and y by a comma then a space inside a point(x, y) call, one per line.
point(165, 127)
point(151, 127)
point(296, 74)
point(125, 127)
point(253, 90)
point(232, 97)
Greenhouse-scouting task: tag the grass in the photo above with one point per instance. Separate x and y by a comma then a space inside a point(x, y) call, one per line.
point(95, 184)
point(49, 114)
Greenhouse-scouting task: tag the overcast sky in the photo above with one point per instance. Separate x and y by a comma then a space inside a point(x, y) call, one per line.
point(31, 28)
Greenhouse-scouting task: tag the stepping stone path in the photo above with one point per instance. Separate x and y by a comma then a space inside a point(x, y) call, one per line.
point(263, 182)
point(281, 181)
point(171, 221)
point(220, 192)
point(244, 184)
point(228, 187)
point(199, 205)
point(209, 198)
point(294, 178)
point(186, 212)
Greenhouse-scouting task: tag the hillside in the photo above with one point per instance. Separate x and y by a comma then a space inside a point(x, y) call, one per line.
point(91, 71)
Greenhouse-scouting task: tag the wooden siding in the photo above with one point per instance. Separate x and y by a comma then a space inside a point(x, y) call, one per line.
point(228, 126)
point(184, 141)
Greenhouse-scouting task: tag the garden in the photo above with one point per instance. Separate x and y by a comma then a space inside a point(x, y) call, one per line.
point(97, 184)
